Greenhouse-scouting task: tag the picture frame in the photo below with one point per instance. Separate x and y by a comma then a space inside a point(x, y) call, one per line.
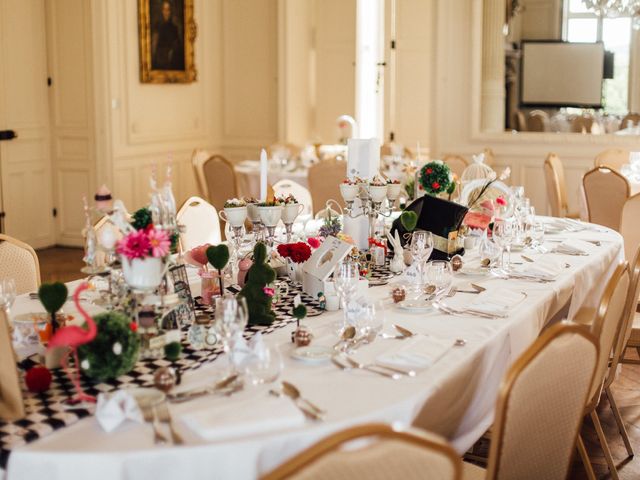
point(167, 33)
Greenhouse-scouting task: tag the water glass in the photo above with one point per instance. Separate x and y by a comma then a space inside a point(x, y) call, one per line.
point(265, 366)
point(372, 318)
point(231, 317)
point(488, 249)
point(421, 248)
point(7, 293)
point(345, 280)
point(503, 234)
point(440, 275)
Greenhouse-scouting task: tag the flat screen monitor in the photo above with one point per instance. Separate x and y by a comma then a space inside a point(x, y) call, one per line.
point(561, 74)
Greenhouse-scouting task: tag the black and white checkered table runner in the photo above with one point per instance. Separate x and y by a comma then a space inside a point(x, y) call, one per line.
point(47, 412)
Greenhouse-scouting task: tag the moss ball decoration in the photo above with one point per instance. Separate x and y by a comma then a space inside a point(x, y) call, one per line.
point(172, 351)
point(259, 276)
point(113, 352)
point(435, 177)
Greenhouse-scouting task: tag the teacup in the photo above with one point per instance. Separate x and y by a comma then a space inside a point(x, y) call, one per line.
point(349, 192)
point(252, 211)
point(234, 216)
point(377, 193)
point(290, 212)
point(393, 190)
point(270, 216)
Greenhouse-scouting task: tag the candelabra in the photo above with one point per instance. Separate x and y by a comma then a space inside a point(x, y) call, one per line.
point(372, 201)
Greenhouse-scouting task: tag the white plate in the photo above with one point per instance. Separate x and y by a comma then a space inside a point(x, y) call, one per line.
point(415, 305)
point(147, 396)
point(313, 354)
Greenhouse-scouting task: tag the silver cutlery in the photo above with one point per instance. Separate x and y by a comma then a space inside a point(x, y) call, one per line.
point(454, 311)
point(226, 385)
point(457, 290)
point(401, 371)
point(292, 392)
point(527, 259)
point(306, 411)
point(372, 368)
point(149, 414)
point(165, 417)
point(403, 331)
point(347, 334)
point(479, 288)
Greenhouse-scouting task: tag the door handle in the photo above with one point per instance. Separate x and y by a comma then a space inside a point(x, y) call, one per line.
point(7, 135)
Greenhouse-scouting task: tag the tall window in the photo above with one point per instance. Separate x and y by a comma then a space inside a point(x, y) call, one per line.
point(581, 25)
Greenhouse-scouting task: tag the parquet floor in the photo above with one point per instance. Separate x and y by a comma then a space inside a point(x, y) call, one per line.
point(63, 264)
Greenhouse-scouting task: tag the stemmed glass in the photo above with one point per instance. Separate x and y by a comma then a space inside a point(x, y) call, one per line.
point(440, 275)
point(503, 234)
point(345, 281)
point(7, 294)
point(421, 248)
point(230, 319)
point(372, 319)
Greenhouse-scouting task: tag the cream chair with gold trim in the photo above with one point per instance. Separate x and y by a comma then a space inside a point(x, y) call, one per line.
point(556, 187)
point(20, 262)
point(606, 325)
point(390, 455)
point(201, 223)
point(325, 178)
point(612, 157)
point(630, 230)
point(540, 407)
point(456, 163)
point(606, 192)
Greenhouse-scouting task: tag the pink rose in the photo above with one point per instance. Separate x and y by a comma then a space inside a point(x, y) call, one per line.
point(268, 291)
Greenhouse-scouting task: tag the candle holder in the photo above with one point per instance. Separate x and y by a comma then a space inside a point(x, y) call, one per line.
point(256, 223)
point(372, 201)
point(270, 215)
point(290, 212)
point(235, 217)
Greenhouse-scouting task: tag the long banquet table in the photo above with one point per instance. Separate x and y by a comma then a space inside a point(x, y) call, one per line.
point(455, 397)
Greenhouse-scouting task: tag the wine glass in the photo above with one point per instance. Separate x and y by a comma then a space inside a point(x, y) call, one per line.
point(345, 281)
point(488, 250)
point(7, 293)
point(372, 318)
point(503, 234)
point(231, 316)
point(440, 275)
point(265, 366)
point(421, 248)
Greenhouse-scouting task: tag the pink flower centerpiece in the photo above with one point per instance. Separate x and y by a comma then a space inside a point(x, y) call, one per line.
point(143, 253)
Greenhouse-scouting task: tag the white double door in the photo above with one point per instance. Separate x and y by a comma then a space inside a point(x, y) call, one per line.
point(26, 186)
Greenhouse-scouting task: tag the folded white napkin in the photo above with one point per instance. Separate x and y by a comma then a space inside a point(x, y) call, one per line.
point(417, 353)
point(113, 409)
point(544, 268)
point(241, 417)
point(573, 247)
point(496, 302)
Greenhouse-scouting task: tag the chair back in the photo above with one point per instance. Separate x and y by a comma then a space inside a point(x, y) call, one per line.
point(538, 121)
point(217, 180)
point(324, 182)
point(201, 223)
point(387, 455)
point(626, 324)
point(198, 157)
point(634, 117)
point(606, 192)
point(456, 163)
point(519, 121)
point(489, 157)
point(614, 158)
point(556, 187)
point(541, 404)
point(20, 262)
point(289, 150)
point(582, 124)
point(300, 192)
point(606, 326)
point(11, 404)
point(629, 227)
point(391, 149)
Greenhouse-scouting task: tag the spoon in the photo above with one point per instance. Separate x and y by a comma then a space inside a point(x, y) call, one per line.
point(403, 331)
point(527, 259)
point(292, 391)
point(477, 287)
point(347, 334)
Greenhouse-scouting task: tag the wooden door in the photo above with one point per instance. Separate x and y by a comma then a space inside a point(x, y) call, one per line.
point(25, 161)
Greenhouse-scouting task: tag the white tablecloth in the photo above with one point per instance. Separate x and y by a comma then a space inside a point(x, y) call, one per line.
point(455, 397)
point(249, 177)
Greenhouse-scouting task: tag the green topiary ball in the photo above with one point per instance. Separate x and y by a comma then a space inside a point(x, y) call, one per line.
point(113, 352)
point(172, 351)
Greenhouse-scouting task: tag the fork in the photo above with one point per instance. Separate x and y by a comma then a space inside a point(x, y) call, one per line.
point(148, 412)
point(372, 368)
point(451, 311)
point(165, 417)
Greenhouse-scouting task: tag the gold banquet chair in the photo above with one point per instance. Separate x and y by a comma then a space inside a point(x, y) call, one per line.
point(456, 163)
point(556, 187)
point(325, 178)
point(201, 223)
point(605, 327)
point(606, 192)
point(540, 407)
point(390, 455)
point(630, 230)
point(216, 179)
point(612, 157)
point(634, 117)
point(20, 262)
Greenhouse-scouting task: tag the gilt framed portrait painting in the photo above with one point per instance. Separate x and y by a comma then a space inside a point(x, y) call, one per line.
point(167, 32)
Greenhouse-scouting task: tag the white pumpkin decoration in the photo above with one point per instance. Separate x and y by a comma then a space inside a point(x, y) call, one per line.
point(477, 170)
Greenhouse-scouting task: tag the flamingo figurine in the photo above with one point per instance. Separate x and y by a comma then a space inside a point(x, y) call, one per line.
point(72, 337)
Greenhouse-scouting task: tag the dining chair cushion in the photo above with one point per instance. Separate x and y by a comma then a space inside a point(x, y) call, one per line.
point(20, 262)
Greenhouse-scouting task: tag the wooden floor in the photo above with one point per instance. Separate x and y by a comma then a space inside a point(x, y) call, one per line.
point(63, 264)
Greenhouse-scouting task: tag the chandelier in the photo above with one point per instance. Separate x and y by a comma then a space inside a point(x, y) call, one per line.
point(616, 8)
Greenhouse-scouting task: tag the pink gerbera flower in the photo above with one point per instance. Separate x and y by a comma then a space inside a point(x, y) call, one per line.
point(159, 242)
point(134, 245)
point(268, 291)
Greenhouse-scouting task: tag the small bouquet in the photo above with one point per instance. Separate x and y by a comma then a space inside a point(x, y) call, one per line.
point(235, 203)
point(288, 199)
point(378, 181)
point(298, 252)
point(270, 203)
point(435, 178)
